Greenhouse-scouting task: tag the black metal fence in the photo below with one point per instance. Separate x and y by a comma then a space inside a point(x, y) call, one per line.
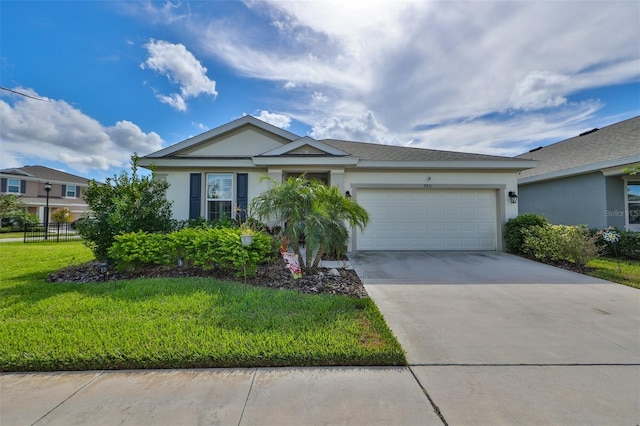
point(52, 232)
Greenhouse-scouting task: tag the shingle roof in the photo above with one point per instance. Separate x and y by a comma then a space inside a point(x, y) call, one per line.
point(617, 141)
point(371, 151)
point(45, 173)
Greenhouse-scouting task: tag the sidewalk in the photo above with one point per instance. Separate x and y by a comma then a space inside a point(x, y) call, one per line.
point(261, 396)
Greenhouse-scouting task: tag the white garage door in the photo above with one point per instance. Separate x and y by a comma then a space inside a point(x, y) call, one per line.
point(428, 219)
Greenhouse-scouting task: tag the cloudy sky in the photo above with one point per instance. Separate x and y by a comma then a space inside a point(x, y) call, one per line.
point(496, 77)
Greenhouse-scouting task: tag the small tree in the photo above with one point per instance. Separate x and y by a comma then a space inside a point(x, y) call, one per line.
point(11, 206)
point(62, 215)
point(124, 204)
point(311, 210)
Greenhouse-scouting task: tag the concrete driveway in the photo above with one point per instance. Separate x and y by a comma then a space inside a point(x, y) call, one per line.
point(497, 339)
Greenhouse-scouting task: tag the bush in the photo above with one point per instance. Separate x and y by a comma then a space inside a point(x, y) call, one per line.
point(124, 204)
point(137, 249)
point(515, 228)
point(62, 215)
point(208, 248)
point(628, 244)
point(555, 243)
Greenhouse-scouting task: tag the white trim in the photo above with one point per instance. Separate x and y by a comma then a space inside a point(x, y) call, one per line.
point(302, 142)
point(594, 167)
point(627, 225)
point(305, 161)
point(197, 163)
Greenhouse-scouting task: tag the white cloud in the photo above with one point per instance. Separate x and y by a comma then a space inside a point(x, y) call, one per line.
point(55, 130)
point(182, 68)
point(279, 120)
point(363, 128)
point(416, 63)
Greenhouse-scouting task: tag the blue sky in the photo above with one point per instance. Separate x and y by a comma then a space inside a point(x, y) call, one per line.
point(477, 76)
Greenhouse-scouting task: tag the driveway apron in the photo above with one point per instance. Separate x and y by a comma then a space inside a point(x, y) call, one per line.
point(497, 339)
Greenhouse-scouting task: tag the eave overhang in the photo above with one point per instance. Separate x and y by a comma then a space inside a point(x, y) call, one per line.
point(604, 166)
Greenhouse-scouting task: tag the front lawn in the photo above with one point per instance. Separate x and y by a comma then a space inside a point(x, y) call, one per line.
point(606, 268)
point(173, 322)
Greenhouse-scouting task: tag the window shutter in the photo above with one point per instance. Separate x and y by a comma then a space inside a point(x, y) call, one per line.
point(3, 185)
point(242, 193)
point(195, 191)
point(23, 186)
point(64, 190)
point(78, 192)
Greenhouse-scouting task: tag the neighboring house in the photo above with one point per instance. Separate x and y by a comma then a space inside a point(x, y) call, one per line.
point(28, 182)
point(418, 199)
point(580, 181)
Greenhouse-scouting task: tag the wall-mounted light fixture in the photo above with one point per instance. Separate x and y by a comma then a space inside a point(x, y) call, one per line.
point(513, 197)
point(347, 194)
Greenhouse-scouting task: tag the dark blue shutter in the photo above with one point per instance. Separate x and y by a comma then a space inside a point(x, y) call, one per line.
point(78, 192)
point(3, 185)
point(64, 190)
point(242, 192)
point(23, 186)
point(195, 191)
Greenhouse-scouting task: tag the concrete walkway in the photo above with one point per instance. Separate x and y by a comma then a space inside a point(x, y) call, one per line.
point(492, 339)
point(287, 396)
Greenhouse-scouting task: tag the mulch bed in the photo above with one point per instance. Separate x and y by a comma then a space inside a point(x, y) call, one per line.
point(272, 275)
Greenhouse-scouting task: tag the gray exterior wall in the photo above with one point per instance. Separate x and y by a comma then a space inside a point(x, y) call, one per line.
point(614, 212)
point(575, 200)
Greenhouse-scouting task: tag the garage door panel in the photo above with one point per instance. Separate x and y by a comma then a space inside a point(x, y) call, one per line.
point(408, 219)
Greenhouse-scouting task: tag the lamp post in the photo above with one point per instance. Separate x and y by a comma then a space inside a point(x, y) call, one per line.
point(47, 188)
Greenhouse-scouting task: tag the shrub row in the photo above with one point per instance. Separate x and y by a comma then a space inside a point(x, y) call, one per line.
point(208, 248)
point(532, 235)
point(556, 243)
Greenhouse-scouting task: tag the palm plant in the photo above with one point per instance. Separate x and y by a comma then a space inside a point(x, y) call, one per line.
point(313, 210)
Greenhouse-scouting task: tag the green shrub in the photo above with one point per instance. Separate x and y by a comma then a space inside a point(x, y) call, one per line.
point(555, 243)
point(515, 228)
point(208, 248)
point(140, 248)
point(628, 244)
point(121, 205)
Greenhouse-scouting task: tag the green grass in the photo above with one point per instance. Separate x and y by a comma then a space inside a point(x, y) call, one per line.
point(4, 235)
point(624, 271)
point(173, 323)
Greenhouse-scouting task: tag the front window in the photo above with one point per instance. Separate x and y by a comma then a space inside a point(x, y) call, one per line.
point(71, 191)
point(13, 185)
point(219, 196)
point(633, 203)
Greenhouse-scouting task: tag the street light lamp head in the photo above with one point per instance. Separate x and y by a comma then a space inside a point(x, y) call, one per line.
point(47, 186)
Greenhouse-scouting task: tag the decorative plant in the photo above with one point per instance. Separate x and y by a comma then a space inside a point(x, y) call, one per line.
point(612, 237)
point(311, 211)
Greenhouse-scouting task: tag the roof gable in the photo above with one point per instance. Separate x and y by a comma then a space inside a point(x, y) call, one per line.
point(246, 141)
point(199, 143)
point(306, 146)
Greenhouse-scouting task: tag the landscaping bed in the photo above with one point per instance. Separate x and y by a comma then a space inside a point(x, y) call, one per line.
point(270, 275)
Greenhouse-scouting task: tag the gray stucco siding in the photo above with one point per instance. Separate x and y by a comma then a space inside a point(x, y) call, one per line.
point(615, 213)
point(575, 200)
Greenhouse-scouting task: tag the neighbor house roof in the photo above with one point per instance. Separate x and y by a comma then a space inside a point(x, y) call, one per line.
point(598, 149)
point(45, 174)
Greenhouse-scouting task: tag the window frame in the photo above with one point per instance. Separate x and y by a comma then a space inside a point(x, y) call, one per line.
point(9, 185)
point(629, 205)
point(226, 195)
point(75, 191)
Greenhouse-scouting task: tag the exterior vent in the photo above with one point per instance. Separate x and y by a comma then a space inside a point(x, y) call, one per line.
point(588, 132)
point(535, 149)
